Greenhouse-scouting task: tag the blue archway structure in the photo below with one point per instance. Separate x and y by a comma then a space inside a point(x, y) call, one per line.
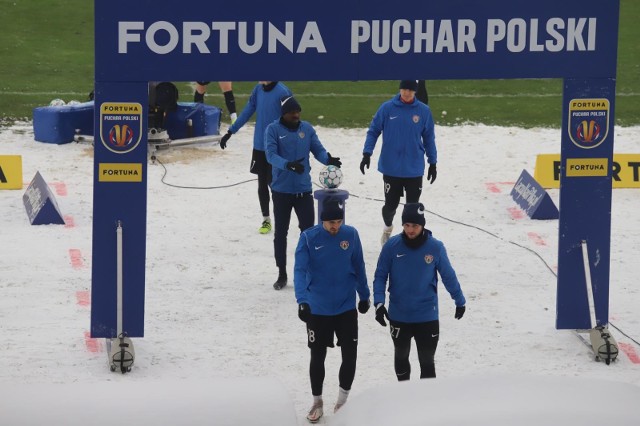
point(142, 41)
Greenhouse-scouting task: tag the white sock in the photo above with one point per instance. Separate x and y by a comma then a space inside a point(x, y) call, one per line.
point(388, 228)
point(317, 399)
point(233, 116)
point(266, 219)
point(342, 396)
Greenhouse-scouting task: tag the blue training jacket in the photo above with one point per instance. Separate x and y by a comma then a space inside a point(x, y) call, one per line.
point(413, 279)
point(284, 145)
point(267, 106)
point(329, 270)
point(407, 135)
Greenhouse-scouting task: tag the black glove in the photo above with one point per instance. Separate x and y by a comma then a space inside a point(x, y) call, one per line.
point(460, 311)
point(366, 161)
point(363, 306)
point(304, 312)
point(334, 161)
point(296, 166)
point(432, 173)
point(381, 313)
point(225, 138)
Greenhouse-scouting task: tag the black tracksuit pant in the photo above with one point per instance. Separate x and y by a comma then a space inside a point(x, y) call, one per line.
point(283, 203)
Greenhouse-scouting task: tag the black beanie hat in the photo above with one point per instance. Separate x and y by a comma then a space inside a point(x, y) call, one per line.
point(409, 84)
point(332, 209)
point(288, 104)
point(413, 213)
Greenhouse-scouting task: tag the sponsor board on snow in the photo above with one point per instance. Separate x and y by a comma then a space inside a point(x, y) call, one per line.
point(10, 172)
point(533, 198)
point(625, 169)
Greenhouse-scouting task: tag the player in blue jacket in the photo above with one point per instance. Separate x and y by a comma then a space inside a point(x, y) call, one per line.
point(329, 271)
point(411, 262)
point(408, 135)
point(265, 102)
point(289, 142)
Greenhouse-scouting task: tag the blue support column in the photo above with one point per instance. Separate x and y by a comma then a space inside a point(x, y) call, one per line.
point(585, 200)
point(120, 194)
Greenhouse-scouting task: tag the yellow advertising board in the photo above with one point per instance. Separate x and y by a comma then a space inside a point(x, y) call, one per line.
point(625, 169)
point(120, 172)
point(10, 172)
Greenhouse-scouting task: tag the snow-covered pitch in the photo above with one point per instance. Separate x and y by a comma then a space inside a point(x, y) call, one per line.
point(212, 314)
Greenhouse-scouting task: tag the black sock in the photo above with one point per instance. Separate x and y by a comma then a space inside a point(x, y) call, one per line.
point(230, 100)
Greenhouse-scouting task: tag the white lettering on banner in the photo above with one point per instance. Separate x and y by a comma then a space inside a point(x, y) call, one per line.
point(527, 192)
point(569, 35)
point(35, 197)
point(121, 118)
point(196, 36)
point(400, 36)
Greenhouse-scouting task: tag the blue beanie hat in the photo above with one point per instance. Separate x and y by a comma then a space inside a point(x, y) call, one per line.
point(288, 104)
point(409, 84)
point(413, 213)
point(332, 209)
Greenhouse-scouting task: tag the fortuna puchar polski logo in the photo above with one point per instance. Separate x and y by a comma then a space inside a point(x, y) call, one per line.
point(120, 126)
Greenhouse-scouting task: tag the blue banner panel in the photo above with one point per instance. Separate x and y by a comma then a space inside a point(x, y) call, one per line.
point(40, 204)
point(355, 40)
point(533, 198)
point(120, 194)
point(585, 200)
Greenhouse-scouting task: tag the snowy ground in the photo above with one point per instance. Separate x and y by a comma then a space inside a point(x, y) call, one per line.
point(211, 313)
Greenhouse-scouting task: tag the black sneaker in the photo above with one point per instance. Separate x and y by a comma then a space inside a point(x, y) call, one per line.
point(280, 282)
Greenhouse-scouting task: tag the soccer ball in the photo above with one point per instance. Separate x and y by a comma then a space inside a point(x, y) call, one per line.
point(57, 102)
point(330, 177)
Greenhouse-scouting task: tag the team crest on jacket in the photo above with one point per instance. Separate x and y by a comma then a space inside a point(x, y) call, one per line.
point(344, 245)
point(301, 134)
point(428, 258)
point(416, 118)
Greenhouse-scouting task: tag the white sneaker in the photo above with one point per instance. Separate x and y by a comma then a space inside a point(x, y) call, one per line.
point(386, 234)
point(315, 413)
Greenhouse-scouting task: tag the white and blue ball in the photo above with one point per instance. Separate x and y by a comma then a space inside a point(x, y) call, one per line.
point(331, 177)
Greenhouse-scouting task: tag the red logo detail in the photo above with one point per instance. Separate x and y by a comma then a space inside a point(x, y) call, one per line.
point(588, 131)
point(120, 136)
